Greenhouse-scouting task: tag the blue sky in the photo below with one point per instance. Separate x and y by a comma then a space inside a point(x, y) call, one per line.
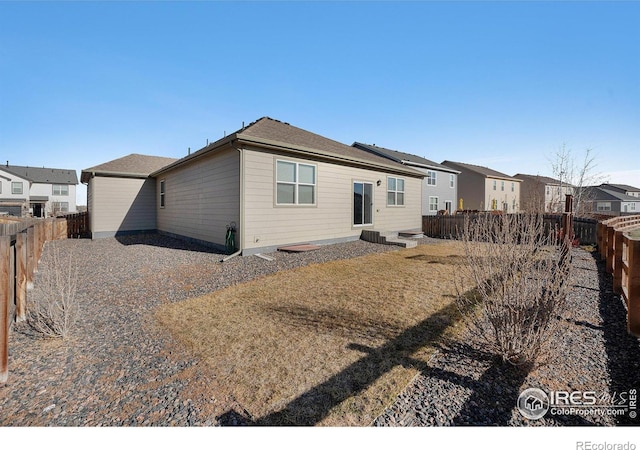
point(501, 84)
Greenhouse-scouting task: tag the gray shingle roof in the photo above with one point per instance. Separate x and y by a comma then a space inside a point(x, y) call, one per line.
point(619, 187)
point(43, 174)
point(479, 169)
point(598, 193)
point(401, 156)
point(135, 165)
point(267, 132)
point(538, 179)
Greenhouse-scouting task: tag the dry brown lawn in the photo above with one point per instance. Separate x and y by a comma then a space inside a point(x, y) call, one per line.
point(327, 344)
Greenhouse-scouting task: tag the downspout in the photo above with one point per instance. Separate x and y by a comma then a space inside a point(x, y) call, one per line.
point(241, 234)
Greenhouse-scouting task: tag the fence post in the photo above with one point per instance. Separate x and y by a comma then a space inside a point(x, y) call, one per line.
point(31, 255)
point(633, 286)
point(617, 261)
point(5, 281)
point(21, 277)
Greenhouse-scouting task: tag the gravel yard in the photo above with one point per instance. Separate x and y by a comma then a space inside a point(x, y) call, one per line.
point(121, 368)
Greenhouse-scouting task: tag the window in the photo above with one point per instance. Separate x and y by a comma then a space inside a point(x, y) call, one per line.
point(513, 205)
point(162, 190)
point(452, 180)
point(494, 184)
point(431, 178)
point(633, 206)
point(603, 206)
point(433, 204)
point(60, 207)
point(494, 203)
point(60, 189)
point(395, 191)
point(502, 185)
point(513, 187)
point(295, 183)
point(16, 188)
point(548, 189)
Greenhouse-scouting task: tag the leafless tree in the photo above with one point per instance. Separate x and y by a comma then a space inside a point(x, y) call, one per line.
point(53, 306)
point(514, 286)
point(578, 173)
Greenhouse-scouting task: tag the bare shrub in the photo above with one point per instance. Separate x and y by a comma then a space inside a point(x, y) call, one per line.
point(514, 285)
point(54, 307)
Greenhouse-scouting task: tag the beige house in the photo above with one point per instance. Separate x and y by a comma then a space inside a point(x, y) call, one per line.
point(543, 194)
point(484, 189)
point(280, 185)
point(121, 195)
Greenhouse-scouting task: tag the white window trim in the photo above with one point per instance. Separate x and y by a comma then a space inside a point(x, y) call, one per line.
point(433, 178)
point(163, 192)
point(396, 192)
point(297, 184)
point(14, 184)
point(452, 181)
point(495, 185)
point(61, 190)
point(437, 204)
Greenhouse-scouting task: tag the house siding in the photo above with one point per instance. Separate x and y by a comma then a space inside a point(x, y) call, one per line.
point(46, 190)
point(201, 198)
point(501, 196)
point(121, 205)
point(331, 218)
point(471, 190)
point(441, 189)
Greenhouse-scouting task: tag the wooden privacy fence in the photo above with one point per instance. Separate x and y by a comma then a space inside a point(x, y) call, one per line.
point(21, 246)
point(622, 254)
point(448, 226)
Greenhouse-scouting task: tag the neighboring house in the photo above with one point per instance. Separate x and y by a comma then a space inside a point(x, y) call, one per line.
point(603, 201)
point(37, 191)
point(622, 188)
point(542, 194)
point(281, 185)
point(484, 189)
point(121, 196)
point(439, 186)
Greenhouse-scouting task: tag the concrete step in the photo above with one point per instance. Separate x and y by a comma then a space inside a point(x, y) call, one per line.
point(413, 234)
point(406, 243)
point(387, 238)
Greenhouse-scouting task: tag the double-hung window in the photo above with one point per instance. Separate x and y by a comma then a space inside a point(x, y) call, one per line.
point(433, 204)
point(16, 188)
point(451, 180)
point(60, 189)
point(502, 185)
point(431, 178)
point(295, 183)
point(495, 183)
point(162, 191)
point(395, 191)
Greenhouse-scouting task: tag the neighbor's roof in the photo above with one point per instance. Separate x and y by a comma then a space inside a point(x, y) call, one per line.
point(403, 158)
point(485, 171)
point(598, 193)
point(131, 166)
point(620, 187)
point(281, 136)
point(539, 179)
point(43, 174)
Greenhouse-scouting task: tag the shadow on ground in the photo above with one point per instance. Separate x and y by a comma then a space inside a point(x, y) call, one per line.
point(623, 349)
